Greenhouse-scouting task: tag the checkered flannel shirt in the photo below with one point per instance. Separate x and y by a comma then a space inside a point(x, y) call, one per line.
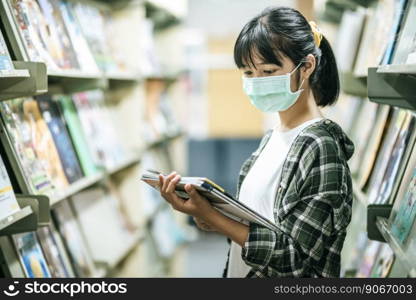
point(312, 207)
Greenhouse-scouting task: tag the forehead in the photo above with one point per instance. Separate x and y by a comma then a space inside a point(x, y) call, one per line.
point(259, 61)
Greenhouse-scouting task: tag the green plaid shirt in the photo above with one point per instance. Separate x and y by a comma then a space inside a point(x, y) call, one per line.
point(312, 207)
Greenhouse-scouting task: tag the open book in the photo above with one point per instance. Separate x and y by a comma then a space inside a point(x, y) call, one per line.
point(219, 198)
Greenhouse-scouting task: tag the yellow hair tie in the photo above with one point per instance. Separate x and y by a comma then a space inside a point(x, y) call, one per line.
point(317, 34)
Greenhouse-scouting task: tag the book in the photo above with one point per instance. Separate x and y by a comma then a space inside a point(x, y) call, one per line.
point(383, 263)
point(405, 41)
point(368, 258)
point(35, 33)
point(82, 50)
point(8, 202)
point(218, 197)
point(380, 19)
point(6, 64)
point(21, 137)
point(399, 8)
point(70, 231)
point(53, 254)
point(64, 55)
point(77, 134)
point(92, 24)
point(404, 211)
point(398, 158)
point(349, 36)
point(43, 143)
point(383, 157)
point(364, 128)
point(31, 255)
point(53, 118)
point(373, 145)
point(106, 148)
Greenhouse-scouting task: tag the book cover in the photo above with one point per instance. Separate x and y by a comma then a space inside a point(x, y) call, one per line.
point(384, 262)
point(368, 258)
point(383, 157)
point(349, 36)
point(64, 55)
point(52, 252)
point(82, 50)
point(399, 8)
point(74, 240)
point(43, 143)
point(5, 60)
point(31, 255)
point(398, 157)
point(77, 134)
point(36, 35)
point(370, 156)
point(53, 118)
point(21, 137)
point(405, 216)
point(92, 24)
point(8, 202)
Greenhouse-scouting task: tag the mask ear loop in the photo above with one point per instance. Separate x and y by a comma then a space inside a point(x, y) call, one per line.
point(303, 80)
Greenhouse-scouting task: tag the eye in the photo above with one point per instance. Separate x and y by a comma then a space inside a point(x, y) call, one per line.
point(248, 73)
point(270, 71)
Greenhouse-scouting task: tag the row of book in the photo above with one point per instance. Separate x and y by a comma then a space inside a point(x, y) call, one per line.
point(73, 36)
point(73, 244)
point(369, 37)
point(383, 170)
point(60, 139)
point(65, 35)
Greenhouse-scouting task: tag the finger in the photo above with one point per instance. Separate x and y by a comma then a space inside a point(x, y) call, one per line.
point(160, 182)
point(172, 184)
point(192, 192)
point(167, 181)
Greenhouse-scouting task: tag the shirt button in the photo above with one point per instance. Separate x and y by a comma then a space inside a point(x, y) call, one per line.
point(279, 189)
point(327, 121)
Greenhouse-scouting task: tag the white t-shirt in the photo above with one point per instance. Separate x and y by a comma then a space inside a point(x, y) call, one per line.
point(259, 187)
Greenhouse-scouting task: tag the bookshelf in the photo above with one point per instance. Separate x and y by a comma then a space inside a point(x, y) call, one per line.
point(119, 77)
point(382, 72)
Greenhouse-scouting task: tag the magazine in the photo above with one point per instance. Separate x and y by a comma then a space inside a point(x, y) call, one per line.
point(219, 198)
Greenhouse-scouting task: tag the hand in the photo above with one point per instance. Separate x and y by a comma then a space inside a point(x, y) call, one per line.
point(196, 206)
point(202, 225)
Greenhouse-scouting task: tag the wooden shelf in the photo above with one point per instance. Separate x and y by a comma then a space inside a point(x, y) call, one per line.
point(7, 224)
point(72, 81)
point(393, 89)
point(76, 187)
point(164, 139)
point(125, 164)
point(406, 261)
point(399, 69)
point(87, 182)
point(28, 79)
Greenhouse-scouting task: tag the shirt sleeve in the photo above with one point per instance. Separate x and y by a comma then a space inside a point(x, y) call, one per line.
point(316, 223)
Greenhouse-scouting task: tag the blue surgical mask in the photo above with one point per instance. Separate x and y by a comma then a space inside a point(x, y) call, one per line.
point(271, 93)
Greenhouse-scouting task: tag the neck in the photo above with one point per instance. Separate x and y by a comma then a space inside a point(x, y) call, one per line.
point(303, 110)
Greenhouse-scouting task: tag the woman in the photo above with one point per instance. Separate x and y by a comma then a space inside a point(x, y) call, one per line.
point(298, 177)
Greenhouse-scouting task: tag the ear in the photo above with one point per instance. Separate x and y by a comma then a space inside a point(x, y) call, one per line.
point(308, 66)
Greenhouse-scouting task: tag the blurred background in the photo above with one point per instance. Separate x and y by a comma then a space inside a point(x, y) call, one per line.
point(153, 85)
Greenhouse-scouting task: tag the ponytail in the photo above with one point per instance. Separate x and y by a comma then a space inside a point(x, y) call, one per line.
point(325, 79)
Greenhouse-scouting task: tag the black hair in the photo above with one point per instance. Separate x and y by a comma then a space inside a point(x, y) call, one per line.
point(284, 31)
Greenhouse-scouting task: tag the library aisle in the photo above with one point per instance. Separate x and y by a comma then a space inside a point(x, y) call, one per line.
point(94, 94)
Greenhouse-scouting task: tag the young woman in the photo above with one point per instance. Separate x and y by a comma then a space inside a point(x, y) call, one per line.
point(298, 177)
